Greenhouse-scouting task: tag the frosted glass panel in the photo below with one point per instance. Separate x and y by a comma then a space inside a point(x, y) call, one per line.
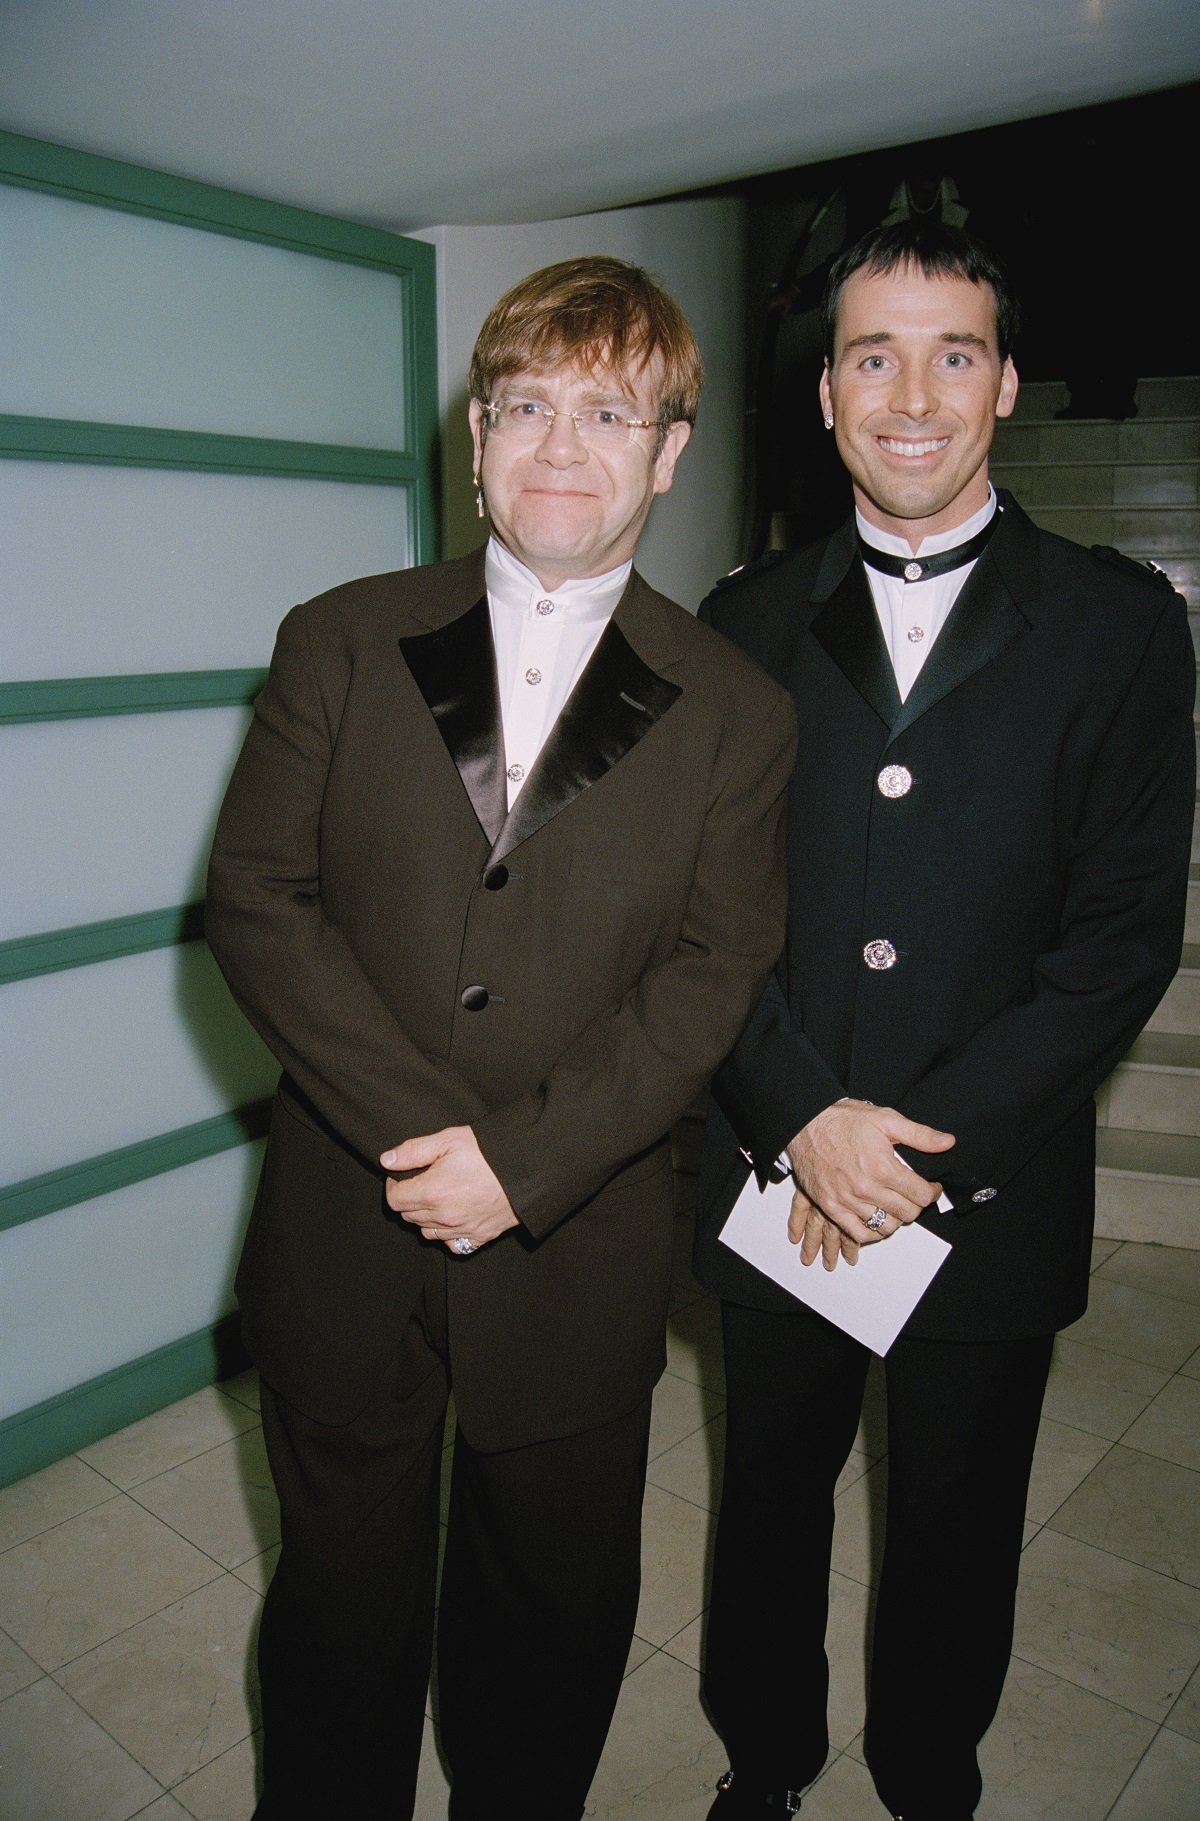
point(116, 570)
point(121, 318)
point(104, 817)
point(93, 1287)
point(94, 1058)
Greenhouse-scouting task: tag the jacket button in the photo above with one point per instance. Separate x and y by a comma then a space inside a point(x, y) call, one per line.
point(894, 781)
point(880, 954)
point(983, 1195)
point(496, 878)
point(475, 998)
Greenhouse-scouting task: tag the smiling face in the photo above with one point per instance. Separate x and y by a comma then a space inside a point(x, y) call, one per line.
point(914, 389)
point(565, 507)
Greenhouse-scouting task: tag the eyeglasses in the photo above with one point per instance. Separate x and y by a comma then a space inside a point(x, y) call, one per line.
point(531, 419)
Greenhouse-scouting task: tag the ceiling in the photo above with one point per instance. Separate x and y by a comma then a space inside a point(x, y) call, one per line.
point(407, 115)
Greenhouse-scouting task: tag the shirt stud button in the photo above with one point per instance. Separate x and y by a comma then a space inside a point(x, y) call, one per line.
point(915, 634)
point(516, 773)
point(533, 675)
point(545, 607)
point(880, 954)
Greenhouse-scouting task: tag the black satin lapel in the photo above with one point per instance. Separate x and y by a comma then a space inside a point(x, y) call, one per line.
point(616, 700)
point(848, 628)
point(454, 667)
point(983, 622)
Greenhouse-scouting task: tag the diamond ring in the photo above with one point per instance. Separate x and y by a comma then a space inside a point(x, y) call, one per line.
point(463, 1246)
point(877, 1220)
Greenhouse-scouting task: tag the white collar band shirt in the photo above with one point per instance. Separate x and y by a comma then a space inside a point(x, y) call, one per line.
point(912, 614)
point(543, 638)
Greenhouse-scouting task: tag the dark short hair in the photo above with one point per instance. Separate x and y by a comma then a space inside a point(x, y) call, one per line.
point(596, 311)
point(937, 250)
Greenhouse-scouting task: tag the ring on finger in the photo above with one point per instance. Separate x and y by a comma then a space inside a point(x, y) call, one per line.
point(877, 1219)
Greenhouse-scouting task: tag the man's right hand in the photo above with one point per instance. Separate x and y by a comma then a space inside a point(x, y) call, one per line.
point(845, 1162)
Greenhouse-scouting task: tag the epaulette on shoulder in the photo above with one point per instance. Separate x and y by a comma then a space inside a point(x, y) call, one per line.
point(1149, 572)
point(744, 571)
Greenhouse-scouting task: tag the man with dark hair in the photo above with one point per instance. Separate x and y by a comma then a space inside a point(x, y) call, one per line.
point(988, 850)
point(499, 878)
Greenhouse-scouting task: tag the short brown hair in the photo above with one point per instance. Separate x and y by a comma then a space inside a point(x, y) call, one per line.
point(596, 311)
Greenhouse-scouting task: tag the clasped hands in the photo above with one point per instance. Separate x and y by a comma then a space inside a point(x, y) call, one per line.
point(455, 1193)
point(845, 1165)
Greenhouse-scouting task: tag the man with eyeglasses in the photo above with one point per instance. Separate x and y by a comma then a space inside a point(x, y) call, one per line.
point(498, 878)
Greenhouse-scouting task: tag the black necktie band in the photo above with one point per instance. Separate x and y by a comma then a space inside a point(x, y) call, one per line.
point(921, 568)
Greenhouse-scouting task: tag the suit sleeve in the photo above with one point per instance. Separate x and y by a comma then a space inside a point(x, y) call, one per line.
point(631, 1073)
point(1036, 1062)
point(291, 971)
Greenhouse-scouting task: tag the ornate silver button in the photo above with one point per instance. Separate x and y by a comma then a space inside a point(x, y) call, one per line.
point(545, 607)
point(916, 634)
point(533, 675)
point(880, 954)
point(516, 773)
point(894, 781)
point(912, 572)
point(984, 1195)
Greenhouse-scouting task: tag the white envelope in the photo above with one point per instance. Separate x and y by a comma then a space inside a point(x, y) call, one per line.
point(871, 1300)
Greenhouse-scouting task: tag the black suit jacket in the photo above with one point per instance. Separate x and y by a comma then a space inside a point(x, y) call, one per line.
point(1031, 882)
point(616, 927)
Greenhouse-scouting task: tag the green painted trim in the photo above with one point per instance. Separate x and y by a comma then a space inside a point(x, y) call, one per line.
point(25, 957)
point(37, 1437)
point(59, 439)
point(36, 164)
point(76, 1182)
point(157, 692)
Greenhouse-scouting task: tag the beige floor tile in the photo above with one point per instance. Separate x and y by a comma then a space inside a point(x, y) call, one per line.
point(693, 1468)
point(433, 1788)
point(1110, 1626)
point(1184, 1717)
point(662, 1759)
point(16, 1669)
point(225, 1790)
point(844, 1792)
point(1146, 1510)
point(858, 1526)
point(1166, 1784)
point(165, 1809)
point(687, 1646)
point(169, 1437)
point(1165, 1270)
point(179, 1689)
point(871, 1438)
point(1191, 1367)
point(640, 1651)
point(1064, 1456)
point(92, 1577)
point(679, 1409)
point(694, 1345)
point(56, 1764)
point(1170, 1426)
point(1158, 1330)
point(223, 1501)
point(1099, 1391)
point(851, 1609)
point(258, 1570)
point(1056, 1752)
point(675, 1546)
point(57, 1493)
point(1102, 1249)
point(244, 1387)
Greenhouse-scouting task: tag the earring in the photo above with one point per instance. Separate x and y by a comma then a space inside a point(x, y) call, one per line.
point(479, 506)
point(829, 420)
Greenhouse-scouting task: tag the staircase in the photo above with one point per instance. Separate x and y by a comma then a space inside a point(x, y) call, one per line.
point(1133, 484)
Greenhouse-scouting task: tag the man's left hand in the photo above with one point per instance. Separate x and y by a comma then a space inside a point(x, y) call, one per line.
point(457, 1193)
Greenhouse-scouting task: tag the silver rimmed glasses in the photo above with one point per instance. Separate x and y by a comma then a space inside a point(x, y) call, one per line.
point(532, 418)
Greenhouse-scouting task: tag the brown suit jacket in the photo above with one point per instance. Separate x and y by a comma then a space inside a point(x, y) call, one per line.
point(621, 921)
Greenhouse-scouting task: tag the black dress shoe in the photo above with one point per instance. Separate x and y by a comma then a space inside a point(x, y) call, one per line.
point(742, 1801)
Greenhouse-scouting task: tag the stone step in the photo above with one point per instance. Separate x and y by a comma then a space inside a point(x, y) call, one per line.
point(1191, 928)
point(1158, 532)
point(1179, 1008)
point(1139, 440)
point(1156, 1088)
point(1158, 397)
point(1148, 1187)
point(1100, 483)
point(1196, 831)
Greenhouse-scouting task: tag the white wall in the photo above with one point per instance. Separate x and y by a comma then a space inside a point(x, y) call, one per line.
point(696, 249)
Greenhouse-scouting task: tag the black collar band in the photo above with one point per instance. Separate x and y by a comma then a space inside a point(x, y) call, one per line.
point(921, 568)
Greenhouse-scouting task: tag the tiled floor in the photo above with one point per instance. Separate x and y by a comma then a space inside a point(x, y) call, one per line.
point(131, 1576)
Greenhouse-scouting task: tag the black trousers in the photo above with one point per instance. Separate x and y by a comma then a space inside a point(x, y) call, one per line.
point(962, 1423)
point(539, 1596)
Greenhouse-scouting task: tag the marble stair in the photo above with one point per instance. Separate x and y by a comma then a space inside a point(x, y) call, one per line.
point(1136, 485)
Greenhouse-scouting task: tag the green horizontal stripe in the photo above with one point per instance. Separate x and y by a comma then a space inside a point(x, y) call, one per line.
point(77, 1182)
point(87, 1413)
point(78, 698)
point(23, 957)
point(60, 439)
point(59, 170)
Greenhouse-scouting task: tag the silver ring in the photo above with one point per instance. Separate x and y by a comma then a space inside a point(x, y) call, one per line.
point(877, 1220)
point(463, 1246)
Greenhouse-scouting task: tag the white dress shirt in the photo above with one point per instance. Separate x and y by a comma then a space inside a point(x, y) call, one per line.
point(543, 639)
point(911, 614)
